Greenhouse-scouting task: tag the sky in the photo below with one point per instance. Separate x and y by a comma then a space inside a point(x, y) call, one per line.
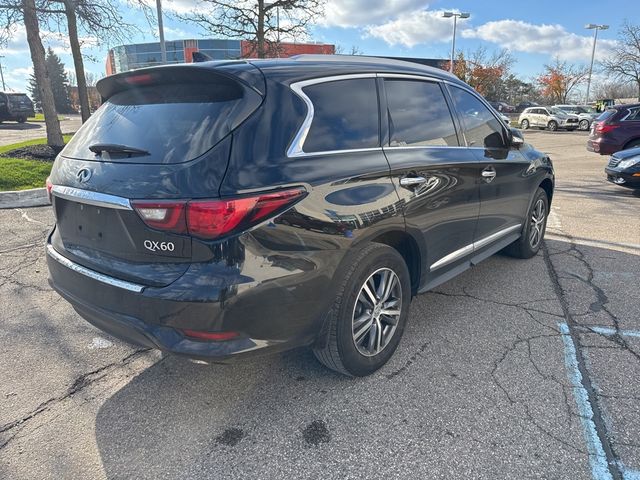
point(534, 32)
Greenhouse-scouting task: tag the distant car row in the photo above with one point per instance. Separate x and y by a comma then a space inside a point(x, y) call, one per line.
point(551, 118)
point(15, 106)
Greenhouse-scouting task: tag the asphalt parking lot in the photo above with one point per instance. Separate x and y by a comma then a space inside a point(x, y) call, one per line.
point(12, 132)
point(516, 369)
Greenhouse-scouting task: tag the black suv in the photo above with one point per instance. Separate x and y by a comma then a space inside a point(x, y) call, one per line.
point(222, 209)
point(15, 106)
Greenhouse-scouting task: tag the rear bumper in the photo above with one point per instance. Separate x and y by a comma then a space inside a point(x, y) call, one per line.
point(601, 146)
point(270, 315)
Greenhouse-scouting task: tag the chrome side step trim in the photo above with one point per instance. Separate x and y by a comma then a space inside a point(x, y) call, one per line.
point(106, 279)
point(91, 198)
point(464, 251)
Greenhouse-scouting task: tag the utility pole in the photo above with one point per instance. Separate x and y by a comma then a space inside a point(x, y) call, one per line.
point(4, 88)
point(455, 16)
point(163, 47)
point(593, 26)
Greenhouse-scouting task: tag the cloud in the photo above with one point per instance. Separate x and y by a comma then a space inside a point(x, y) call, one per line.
point(356, 13)
point(526, 37)
point(411, 29)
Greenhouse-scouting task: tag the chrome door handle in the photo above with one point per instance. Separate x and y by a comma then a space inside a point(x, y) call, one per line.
point(488, 174)
point(412, 181)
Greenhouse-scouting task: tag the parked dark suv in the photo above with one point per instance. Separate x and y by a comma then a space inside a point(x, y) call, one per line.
point(617, 128)
point(15, 106)
point(221, 209)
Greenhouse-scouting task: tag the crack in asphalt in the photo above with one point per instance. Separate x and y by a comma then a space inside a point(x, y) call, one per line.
point(80, 383)
point(598, 418)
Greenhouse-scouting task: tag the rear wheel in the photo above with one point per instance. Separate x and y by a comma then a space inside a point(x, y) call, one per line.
point(584, 125)
point(552, 125)
point(22, 119)
point(533, 231)
point(632, 144)
point(369, 313)
point(524, 124)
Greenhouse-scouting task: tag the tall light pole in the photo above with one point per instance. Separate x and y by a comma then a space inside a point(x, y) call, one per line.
point(455, 16)
point(2, 75)
point(593, 26)
point(163, 47)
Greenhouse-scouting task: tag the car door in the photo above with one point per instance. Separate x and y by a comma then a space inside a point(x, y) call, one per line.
point(436, 178)
point(505, 174)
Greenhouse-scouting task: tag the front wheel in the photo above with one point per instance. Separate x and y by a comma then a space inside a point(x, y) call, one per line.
point(534, 229)
point(524, 124)
point(369, 313)
point(583, 125)
point(552, 125)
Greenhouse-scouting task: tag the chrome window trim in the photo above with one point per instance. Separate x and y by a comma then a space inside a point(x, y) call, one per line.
point(630, 111)
point(295, 149)
point(106, 279)
point(466, 250)
point(91, 198)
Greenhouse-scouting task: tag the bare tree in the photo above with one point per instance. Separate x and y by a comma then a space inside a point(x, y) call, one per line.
point(615, 89)
point(624, 61)
point(261, 22)
point(12, 13)
point(353, 50)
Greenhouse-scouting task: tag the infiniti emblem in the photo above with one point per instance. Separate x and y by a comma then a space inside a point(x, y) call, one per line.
point(83, 175)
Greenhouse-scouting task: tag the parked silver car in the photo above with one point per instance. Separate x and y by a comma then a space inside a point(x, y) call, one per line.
point(551, 118)
point(586, 114)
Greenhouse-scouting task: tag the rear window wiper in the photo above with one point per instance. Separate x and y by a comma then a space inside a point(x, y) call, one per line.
point(98, 148)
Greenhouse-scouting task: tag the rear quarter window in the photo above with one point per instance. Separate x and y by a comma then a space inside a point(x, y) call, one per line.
point(345, 115)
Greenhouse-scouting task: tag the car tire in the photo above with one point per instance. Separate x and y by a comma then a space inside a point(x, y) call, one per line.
point(22, 119)
point(347, 349)
point(552, 126)
point(524, 124)
point(534, 228)
point(583, 125)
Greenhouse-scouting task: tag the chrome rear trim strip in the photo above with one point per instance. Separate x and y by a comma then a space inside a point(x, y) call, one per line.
point(114, 282)
point(91, 198)
point(464, 251)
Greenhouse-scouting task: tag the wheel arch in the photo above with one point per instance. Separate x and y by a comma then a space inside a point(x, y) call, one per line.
point(406, 245)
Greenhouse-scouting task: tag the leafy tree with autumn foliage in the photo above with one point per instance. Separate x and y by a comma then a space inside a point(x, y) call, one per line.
point(485, 73)
point(560, 79)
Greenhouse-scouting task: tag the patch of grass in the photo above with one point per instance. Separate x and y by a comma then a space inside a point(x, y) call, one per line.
point(22, 174)
point(39, 117)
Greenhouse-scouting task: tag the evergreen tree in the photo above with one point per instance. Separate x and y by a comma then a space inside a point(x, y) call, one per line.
point(35, 92)
point(59, 82)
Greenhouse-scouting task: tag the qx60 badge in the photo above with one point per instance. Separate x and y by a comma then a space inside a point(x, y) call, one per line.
point(154, 246)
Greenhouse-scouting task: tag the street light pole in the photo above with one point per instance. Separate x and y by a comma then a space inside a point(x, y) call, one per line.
point(163, 47)
point(592, 26)
point(455, 16)
point(4, 88)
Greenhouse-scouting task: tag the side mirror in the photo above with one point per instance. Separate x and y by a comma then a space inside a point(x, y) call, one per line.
point(517, 140)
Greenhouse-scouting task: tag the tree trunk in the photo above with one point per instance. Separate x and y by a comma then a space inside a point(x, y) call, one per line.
point(54, 134)
point(83, 95)
point(260, 30)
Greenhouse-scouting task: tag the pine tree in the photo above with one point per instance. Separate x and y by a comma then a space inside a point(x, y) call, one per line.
point(35, 92)
point(59, 82)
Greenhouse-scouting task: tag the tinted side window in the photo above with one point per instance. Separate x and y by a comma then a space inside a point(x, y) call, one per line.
point(481, 128)
point(419, 114)
point(345, 115)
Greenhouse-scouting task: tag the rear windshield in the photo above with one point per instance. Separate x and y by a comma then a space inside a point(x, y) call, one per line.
point(174, 123)
point(606, 115)
point(18, 99)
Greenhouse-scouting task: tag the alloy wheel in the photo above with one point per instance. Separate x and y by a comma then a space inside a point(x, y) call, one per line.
point(377, 311)
point(538, 218)
point(584, 125)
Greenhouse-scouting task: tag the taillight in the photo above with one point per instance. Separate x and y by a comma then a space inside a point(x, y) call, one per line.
point(210, 219)
point(49, 186)
point(604, 128)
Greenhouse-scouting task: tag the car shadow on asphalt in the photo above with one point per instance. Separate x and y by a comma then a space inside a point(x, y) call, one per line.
point(20, 126)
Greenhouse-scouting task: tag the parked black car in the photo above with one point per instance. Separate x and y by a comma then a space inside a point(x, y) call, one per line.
point(624, 168)
point(15, 106)
point(179, 204)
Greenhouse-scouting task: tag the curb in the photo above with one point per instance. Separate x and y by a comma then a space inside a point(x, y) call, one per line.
point(35, 197)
